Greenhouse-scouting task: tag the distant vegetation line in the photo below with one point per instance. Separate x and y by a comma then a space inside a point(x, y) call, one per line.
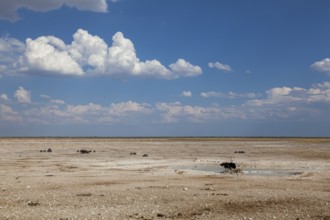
point(165, 137)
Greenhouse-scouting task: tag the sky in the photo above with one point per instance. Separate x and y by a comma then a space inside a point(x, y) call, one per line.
point(164, 68)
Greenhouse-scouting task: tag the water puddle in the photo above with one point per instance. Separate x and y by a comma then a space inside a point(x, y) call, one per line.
point(247, 171)
point(271, 172)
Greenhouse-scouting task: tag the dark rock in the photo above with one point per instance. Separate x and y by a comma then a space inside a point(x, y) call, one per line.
point(49, 150)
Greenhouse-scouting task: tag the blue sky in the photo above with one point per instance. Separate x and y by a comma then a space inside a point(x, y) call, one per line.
point(164, 68)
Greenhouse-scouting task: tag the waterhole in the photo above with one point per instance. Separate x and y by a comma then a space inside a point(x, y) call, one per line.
point(246, 171)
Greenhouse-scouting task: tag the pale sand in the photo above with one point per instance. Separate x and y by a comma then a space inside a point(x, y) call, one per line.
point(179, 179)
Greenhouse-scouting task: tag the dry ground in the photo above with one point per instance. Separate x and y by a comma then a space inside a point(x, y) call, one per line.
point(180, 179)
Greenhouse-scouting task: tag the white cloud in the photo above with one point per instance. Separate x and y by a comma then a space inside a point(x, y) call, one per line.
point(279, 103)
point(278, 92)
point(22, 95)
point(87, 49)
point(8, 44)
point(210, 94)
point(319, 93)
point(8, 114)
point(186, 94)
point(45, 96)
point(322, 66)
point(125, 107)
point(50, 54)
point(229, 95)
point(287, 95)
point(4, 97)
point(125, 112)
point(183, 68)
point(52, 101)
point(8, 8)
point(57, 101)
point(122, 60)
point(177, 112)
point(83, 113)
point(87, 55)
point(220, 66)
point(122, 55)
point(10, 51)
point(91, 113)
point(295, 102)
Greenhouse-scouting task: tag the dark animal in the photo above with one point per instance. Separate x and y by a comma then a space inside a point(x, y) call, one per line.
point(85, 151)
point(228, 165)
point(240, 152)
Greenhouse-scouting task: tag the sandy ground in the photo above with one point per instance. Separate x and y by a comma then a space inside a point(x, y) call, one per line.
point(180, 179)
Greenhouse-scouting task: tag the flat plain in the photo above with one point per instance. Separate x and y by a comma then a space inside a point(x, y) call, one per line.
point(164, 178)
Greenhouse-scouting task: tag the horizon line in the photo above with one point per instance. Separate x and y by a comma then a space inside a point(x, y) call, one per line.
point(155, 137)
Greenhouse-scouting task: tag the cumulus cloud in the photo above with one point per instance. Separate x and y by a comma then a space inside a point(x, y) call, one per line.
point(88, 49)
point(220, 66)
point(23, 96)
point(229, 95)
point(8, 8)
point(86, 55)
point(186, 94)
point(183, 68)
point(49, 54)
point(295, 102)
point(319, 92)
point(322, 66)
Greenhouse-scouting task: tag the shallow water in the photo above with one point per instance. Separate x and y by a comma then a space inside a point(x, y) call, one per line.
point(248, 171)
point(271, 172)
